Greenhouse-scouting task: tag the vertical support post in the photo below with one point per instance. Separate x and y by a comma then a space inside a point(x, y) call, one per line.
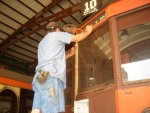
point(76, 72)
point(116, 60)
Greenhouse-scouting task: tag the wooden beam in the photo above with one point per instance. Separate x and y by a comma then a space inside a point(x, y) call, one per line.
point(11, 18)
point(32, 20)
point(19, 58)
point(18, 52)
point(70, 15)
point(19, 46)
point(56, 17)
point(8, 26)
point(68, 11)
point(15, 10)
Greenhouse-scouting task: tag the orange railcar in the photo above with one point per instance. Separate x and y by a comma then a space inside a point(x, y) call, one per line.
point(117, 94)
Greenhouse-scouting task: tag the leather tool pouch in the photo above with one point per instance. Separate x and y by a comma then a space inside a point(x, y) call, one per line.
point(43, 75)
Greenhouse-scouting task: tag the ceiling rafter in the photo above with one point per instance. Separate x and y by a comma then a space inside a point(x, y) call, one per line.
point(31, 10)
point(40, 3)
point(4, 33)
point(58, 16)
point(16, 29)
point(11, 18)
point(8, 26)
point(31, 38)
point(18, 52)
point(73, 16)
point(61, 20)
point(19, 58)
point(29, 44)
point(20, 42)
point(70, 10)
point(20, 14)
point(11, 37)
point(70, 15)
point(27, 6)
point(15, 10)
point(39, 34)
point(63, 14)
point(26, 44)
point(24, 48)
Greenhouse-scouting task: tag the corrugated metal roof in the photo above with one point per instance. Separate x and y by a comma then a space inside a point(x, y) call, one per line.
point(22, 24)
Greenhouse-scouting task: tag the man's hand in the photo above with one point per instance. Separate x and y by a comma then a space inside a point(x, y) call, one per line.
point(82, 35)
point(89, 28)
point(71, 52)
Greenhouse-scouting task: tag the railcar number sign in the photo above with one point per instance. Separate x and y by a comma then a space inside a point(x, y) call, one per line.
point(90, 6)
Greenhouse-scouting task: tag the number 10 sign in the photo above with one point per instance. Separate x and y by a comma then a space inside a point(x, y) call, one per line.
point(90, 6)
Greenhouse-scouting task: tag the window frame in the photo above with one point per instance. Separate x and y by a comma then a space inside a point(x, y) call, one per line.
point(123, 21)
point(100, 86)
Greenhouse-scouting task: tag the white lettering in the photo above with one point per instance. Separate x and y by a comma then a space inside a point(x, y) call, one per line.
point(90, 7)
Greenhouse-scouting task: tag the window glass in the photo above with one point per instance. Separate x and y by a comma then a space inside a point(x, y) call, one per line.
point(134, 43)
point(95, 59)
point(69, 82)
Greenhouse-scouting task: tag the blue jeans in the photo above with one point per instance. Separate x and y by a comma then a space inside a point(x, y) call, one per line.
point(44, 101)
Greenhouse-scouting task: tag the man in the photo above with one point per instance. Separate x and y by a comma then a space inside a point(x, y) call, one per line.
point(50, 79)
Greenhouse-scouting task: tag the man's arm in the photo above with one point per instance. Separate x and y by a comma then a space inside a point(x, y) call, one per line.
point(77, 38)
point(83, 35)
point(70, 52)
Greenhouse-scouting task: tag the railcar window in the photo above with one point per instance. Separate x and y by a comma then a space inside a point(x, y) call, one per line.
point(134, 45)
point(95, 59)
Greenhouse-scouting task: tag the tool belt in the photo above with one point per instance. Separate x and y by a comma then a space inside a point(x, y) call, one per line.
point(43, 75)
